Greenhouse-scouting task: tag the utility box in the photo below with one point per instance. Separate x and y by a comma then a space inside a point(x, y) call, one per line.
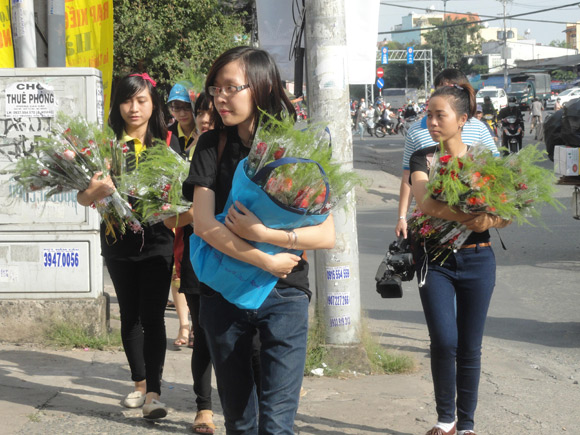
point(49, 248)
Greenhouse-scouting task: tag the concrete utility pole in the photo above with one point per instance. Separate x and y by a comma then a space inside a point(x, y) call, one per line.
point(505, 50)
point(337, 270)
point(445, 32)
point(23, 33)
point(56, 33)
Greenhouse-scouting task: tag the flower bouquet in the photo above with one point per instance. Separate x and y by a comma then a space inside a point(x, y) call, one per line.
point(513, 187)
point(156, 184)
point(288, 181)
point(68, 159)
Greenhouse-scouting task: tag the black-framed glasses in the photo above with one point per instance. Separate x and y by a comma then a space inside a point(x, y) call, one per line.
point(214, 91)
point(180, 108)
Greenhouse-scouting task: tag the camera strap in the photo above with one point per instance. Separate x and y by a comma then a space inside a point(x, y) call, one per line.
point(422, 275)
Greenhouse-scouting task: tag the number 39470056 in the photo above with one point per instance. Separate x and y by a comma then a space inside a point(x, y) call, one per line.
point(61, 259)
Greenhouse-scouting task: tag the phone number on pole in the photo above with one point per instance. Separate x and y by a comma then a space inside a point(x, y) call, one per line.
point(61, 258)
point(337, 273)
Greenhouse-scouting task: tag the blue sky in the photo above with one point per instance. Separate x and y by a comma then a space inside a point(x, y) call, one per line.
point(542, 32)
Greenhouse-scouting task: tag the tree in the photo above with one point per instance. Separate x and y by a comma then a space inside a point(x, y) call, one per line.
point(168, 39)
point(561, 44)
point(564, 76)
point(462, 40)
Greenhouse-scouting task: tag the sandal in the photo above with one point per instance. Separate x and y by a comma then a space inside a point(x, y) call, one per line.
point(204, 427)
point(190, 343)
point(182, 339)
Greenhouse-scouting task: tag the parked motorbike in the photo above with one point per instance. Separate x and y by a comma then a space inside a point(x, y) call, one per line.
point(512, 134)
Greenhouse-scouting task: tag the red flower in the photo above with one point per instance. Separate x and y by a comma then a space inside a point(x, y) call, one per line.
point(261, 148)
point(320, 198)
point(279, 153)
point(474, 200)
point(44, 172)
point(125, 148)
point(522, 186)
point(453, 175)
point(460, 163)
point(442, 171)
point(86, 150)
point(167, 188)
point(445, 159)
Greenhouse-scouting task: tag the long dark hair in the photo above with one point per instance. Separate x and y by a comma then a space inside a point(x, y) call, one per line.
point(461, 98)
point(263, 77)
point(128, 87)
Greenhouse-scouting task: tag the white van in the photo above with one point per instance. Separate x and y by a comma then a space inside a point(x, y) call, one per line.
point(498, 96)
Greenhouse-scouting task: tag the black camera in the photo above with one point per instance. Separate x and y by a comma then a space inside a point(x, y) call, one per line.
point(396, 267)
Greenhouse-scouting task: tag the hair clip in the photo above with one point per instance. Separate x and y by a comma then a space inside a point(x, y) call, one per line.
point(456, 86)
point(145, 76)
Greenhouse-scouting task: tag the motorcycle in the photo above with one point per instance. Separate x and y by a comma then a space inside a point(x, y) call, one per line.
point(382, 129)
point(489, 120)
point(512, 134)
point(405, 123)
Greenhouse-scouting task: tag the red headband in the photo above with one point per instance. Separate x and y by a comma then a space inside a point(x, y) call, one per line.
point(145, 76)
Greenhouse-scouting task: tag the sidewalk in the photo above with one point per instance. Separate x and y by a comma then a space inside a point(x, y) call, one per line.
point(528, 385)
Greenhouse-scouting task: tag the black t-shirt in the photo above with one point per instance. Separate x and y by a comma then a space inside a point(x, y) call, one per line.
point(205, 171)
point(155, 240)
point(420, 162)
point(180, 139)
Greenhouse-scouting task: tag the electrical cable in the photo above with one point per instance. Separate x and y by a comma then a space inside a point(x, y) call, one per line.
point(471, 22)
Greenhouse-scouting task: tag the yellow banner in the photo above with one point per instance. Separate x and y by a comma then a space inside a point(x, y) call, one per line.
point(89, 39)
point(6, 47)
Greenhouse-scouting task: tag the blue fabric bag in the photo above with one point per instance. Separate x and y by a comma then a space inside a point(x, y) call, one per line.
point(243, 284)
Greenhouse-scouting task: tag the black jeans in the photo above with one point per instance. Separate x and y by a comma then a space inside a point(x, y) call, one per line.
point(142, 289)
point(200, 359)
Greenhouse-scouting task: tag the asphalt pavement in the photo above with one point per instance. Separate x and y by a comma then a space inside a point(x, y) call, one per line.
point(531, 355)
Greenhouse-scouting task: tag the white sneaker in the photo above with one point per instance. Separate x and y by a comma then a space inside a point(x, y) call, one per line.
point(136, 399)
point(154, 410)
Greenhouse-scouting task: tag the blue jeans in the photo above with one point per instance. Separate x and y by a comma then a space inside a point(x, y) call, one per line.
point(282, 322)
point(469, 277)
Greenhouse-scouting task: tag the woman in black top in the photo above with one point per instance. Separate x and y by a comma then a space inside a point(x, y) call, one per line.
point(241, 80)
point(466, 278)
point(140, 264)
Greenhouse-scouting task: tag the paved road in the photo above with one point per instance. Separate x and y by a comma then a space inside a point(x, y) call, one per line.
point(532, 340)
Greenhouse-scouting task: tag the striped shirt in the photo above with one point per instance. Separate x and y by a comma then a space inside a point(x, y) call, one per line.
point(474, 131)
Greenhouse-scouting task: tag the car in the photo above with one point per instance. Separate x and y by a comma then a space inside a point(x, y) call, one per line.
point(498, 96)
point(564, 96)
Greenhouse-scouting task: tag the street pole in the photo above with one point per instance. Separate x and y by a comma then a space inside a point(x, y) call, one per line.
point(337, 270)
point(24, 36)
point(505, 73)
point(56, 33)
point(445, 31)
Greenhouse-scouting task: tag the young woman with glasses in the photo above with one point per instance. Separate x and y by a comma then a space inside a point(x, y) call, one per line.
point(240, 81)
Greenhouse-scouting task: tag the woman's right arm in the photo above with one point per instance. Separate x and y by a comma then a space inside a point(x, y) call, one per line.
point(221, 238)
point(97, 190)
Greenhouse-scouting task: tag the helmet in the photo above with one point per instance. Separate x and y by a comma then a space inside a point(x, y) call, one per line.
point(487, 99)
point(388, 105)
point(180, 92)
point(479, 108)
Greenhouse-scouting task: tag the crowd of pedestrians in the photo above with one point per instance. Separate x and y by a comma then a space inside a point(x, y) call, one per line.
point(259, 355)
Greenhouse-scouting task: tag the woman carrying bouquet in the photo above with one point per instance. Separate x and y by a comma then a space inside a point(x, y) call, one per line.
point(242, 80)
point(467, 275)
point(140, 264)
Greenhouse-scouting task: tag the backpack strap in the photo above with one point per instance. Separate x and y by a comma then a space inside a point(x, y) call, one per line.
point(168, 139)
